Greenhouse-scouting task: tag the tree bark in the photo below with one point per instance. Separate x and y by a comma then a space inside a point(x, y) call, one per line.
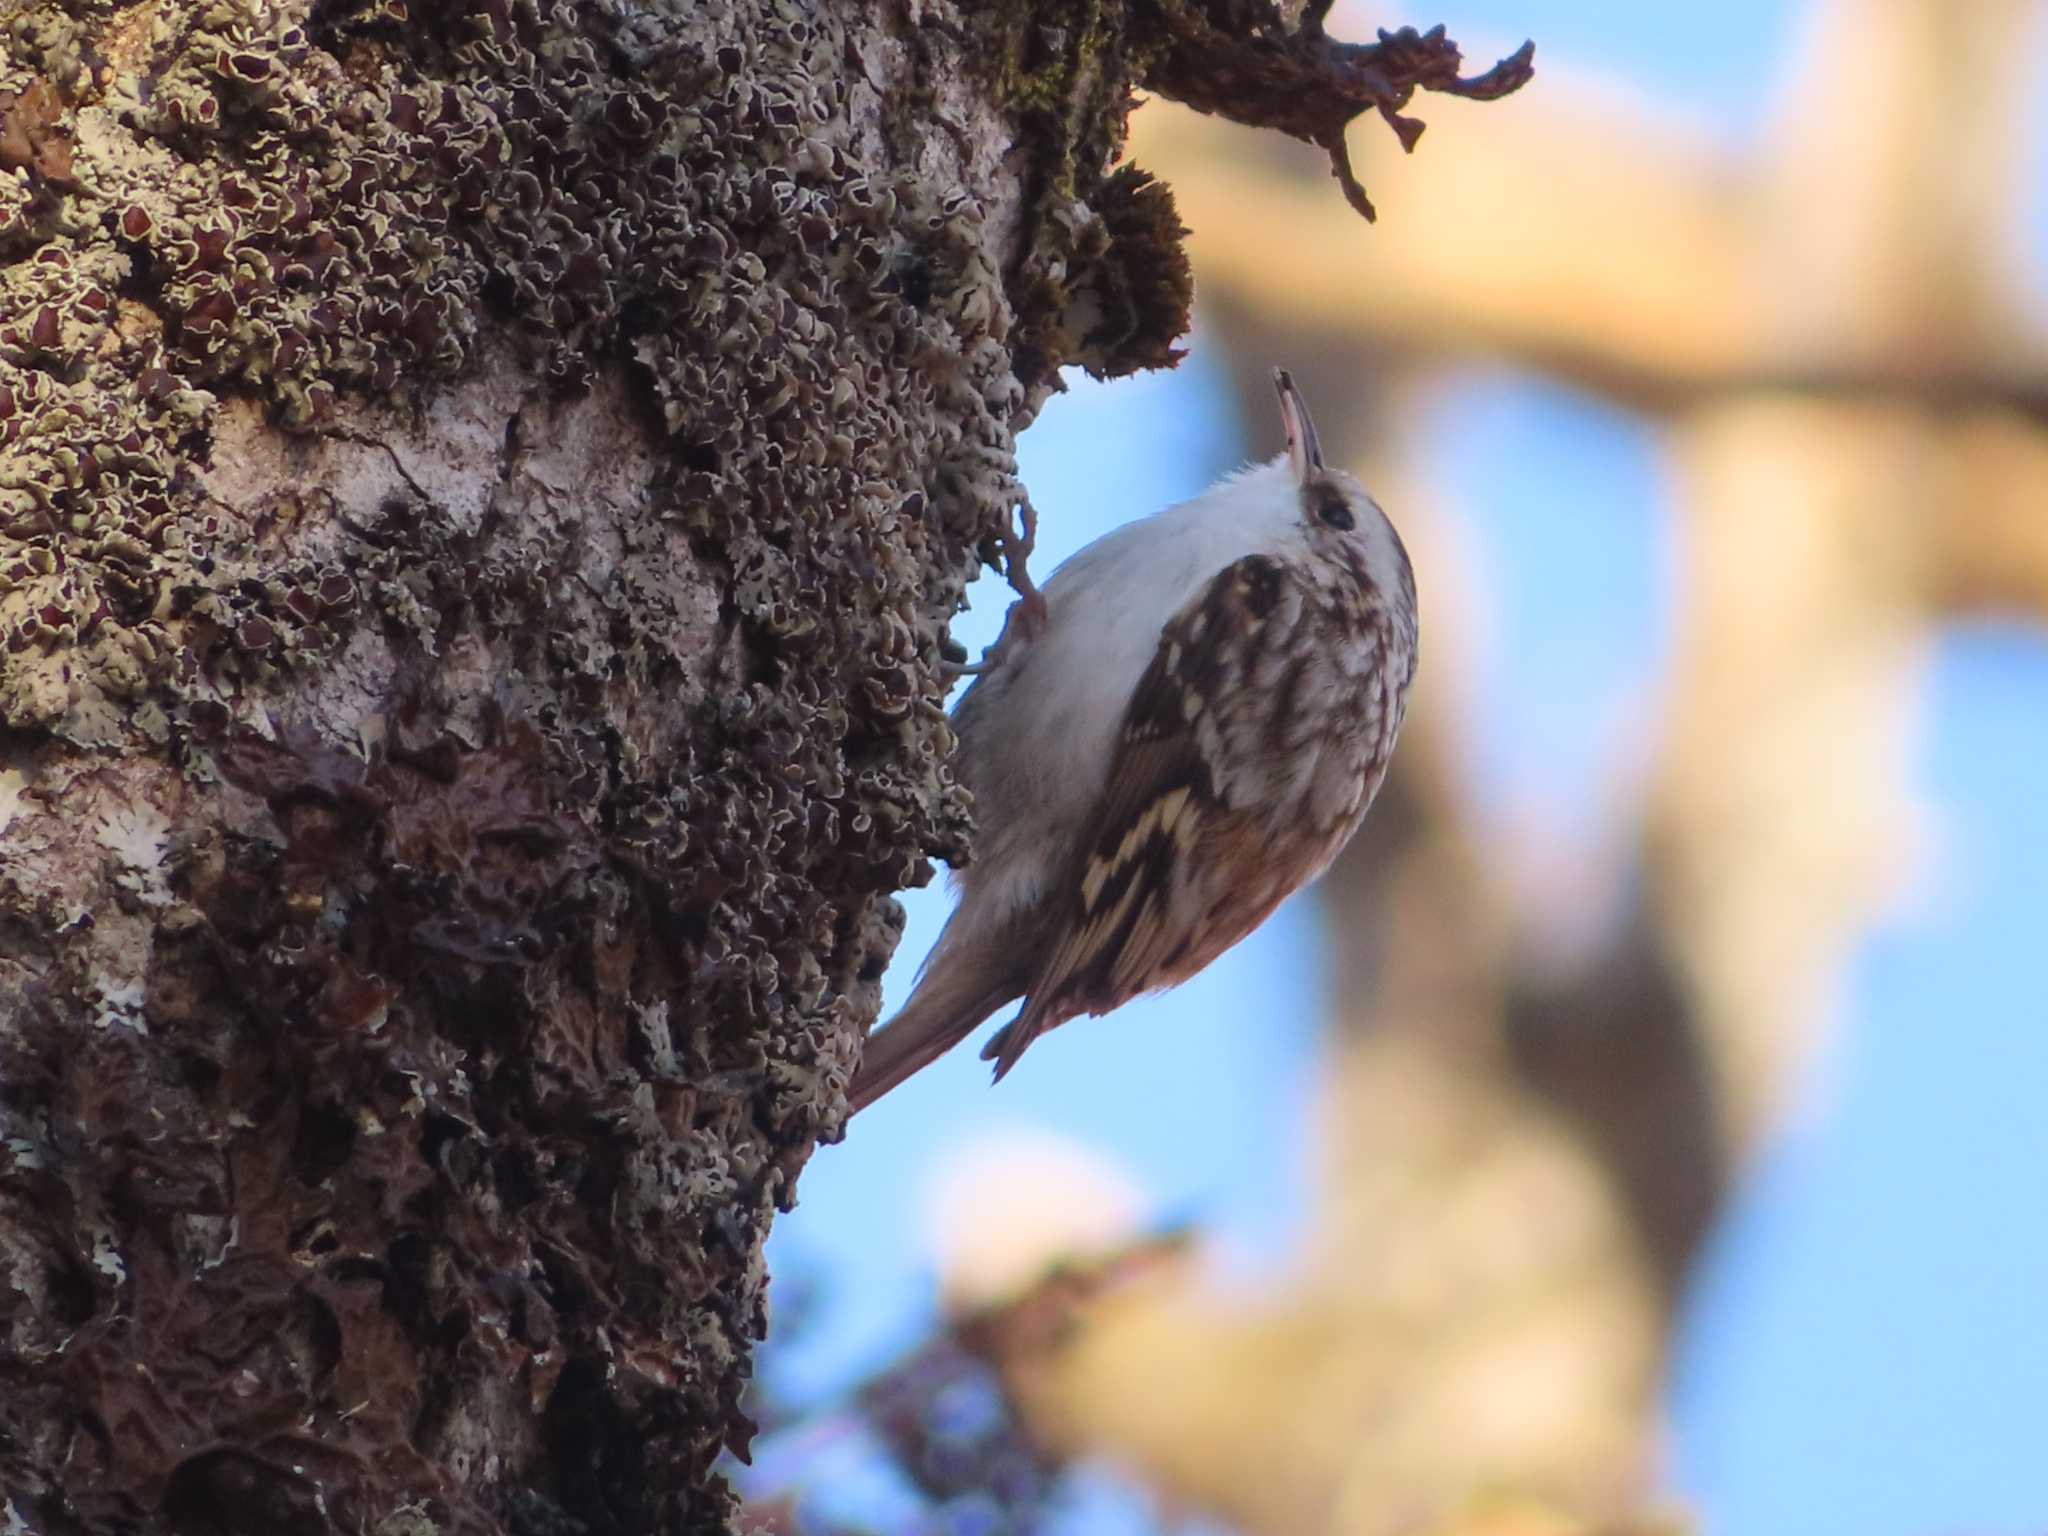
point(484, 485)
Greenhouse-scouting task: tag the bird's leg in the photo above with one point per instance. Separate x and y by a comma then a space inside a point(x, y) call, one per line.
point(1024, 623)
point(1028, 616)
point(1029, 612)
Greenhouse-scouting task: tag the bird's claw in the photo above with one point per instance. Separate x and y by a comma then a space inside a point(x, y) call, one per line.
point(1017, 547)
point(1029, 615)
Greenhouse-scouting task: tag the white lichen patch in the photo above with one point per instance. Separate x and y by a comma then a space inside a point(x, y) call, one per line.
point(137, 834)
point(117, 1004)
point(652, 1022)
point(206, 1241)
point(106, 1258)
point(12, 787)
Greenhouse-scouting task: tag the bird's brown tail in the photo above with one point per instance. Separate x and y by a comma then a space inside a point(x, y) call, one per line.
point(934, 1021)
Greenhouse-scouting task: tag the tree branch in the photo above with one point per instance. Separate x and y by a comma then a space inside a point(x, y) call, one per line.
point(1239, 60)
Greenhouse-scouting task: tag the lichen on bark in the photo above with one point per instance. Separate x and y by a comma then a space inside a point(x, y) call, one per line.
point(482, 488)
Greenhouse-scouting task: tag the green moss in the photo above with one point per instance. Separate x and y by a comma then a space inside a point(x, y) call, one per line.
point(1061, 72)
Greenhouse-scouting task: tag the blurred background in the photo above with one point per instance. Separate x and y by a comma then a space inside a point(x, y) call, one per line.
point(1642, 1126)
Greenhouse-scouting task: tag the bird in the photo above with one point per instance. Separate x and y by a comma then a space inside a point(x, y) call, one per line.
point(1192, 728)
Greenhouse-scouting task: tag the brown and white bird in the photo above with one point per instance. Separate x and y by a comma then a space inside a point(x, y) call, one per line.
point(1196, 729)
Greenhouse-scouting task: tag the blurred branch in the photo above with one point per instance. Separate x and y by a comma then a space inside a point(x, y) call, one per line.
point(960, 1419)
point(1461, 1323)
point(1426, 951)
point(1616, 1045)
point(1995, 561)
point(1939, 392)
point(941, 1416)
point(1624, 272)
point(1629, 274)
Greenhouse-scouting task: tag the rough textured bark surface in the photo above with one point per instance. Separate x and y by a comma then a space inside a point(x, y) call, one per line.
point(482, 487)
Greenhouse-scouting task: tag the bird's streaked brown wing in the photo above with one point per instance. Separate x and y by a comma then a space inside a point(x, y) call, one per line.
point(1164, 809)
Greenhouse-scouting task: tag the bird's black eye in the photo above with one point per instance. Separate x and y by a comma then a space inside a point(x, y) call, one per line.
point(1335, 510)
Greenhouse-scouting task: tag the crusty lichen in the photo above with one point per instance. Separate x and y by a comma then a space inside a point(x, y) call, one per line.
point(491, 480)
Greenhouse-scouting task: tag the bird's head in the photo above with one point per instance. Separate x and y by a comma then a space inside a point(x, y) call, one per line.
point(1339, 521)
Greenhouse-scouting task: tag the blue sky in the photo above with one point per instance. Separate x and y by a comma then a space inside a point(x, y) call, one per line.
point(1867, 1351)
point(1863, 1353)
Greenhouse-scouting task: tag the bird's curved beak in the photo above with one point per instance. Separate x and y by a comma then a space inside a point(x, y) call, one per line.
point(1304, 452)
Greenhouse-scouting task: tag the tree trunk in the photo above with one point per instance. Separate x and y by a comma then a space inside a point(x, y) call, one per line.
point(483, 489)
